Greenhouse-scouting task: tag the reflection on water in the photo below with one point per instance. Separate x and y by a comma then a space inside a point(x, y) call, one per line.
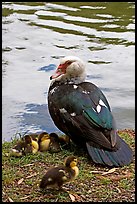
point(36, 34)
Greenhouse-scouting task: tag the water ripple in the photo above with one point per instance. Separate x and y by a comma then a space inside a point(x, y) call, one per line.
point(35, 35)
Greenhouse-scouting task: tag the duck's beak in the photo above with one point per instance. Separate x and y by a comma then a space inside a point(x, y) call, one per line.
point(60, 70)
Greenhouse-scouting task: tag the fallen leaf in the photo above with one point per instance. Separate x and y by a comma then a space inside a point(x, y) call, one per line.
point(27, 165)
point(119, 191)
point(72, 197)
point(32, 175)
point(10, 199)
point(20, 181)
point(110, 171)
point(129, 174)
point(25, 197)
point(104, 173)
point(100, 177)
point(96, 172)
point(6, 154)
point(83, 196)
point(119, 177)
point(3, 193)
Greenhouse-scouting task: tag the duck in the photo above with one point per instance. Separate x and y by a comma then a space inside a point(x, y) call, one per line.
point(55, 177)
point(81, 110)
point(24, 146)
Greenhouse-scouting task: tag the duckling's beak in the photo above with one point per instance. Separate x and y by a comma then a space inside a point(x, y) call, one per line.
point(74, 163)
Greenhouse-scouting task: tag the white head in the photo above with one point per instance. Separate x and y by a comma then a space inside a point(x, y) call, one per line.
point(71, 69)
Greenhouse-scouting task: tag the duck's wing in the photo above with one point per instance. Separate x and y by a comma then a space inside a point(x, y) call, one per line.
point(85, 108)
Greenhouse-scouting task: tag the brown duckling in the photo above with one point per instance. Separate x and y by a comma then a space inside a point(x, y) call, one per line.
point(57, 176)
point(54, 145)
point(64, 140)
point(24, 146)
point(18, 149)
point(34, 136)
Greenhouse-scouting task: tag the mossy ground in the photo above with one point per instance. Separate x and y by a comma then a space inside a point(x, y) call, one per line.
point(21, 177)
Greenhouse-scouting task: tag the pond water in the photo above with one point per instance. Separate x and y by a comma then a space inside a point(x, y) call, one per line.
point(38, 34)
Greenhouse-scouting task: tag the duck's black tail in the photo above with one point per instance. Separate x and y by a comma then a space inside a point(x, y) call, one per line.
point(122, 156)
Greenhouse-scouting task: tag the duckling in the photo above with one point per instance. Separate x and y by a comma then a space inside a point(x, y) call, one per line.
point(43, 141)
point(64, 140)
point(24, 146)
point(57, 176)
point(31, 144)
point(54, 145)
point(34, 136)
point(48, 142)
point(18, 149)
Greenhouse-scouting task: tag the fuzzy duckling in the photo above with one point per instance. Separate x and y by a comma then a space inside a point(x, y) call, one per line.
point(64, 140)
point(54, 145)
point(18, 149)
point(57, 176)
point(34, 136)
point(24, 146)
point(48, 142)
point(31, 144)
point(43, 141)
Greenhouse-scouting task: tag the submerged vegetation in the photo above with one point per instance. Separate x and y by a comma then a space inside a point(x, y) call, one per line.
point(21, 177)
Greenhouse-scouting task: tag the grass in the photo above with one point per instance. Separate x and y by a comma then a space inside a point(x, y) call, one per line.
point(21, 177)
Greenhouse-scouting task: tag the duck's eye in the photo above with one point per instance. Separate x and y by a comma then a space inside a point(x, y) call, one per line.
point(68, 62)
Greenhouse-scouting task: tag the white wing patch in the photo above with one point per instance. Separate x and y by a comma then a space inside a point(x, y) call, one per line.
point(63, 110)
point(53, 90)
point(75, 86)
point(84, 92)
point(73, 114)
point(101, 103)
point(49, 179)
point(98, 108)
